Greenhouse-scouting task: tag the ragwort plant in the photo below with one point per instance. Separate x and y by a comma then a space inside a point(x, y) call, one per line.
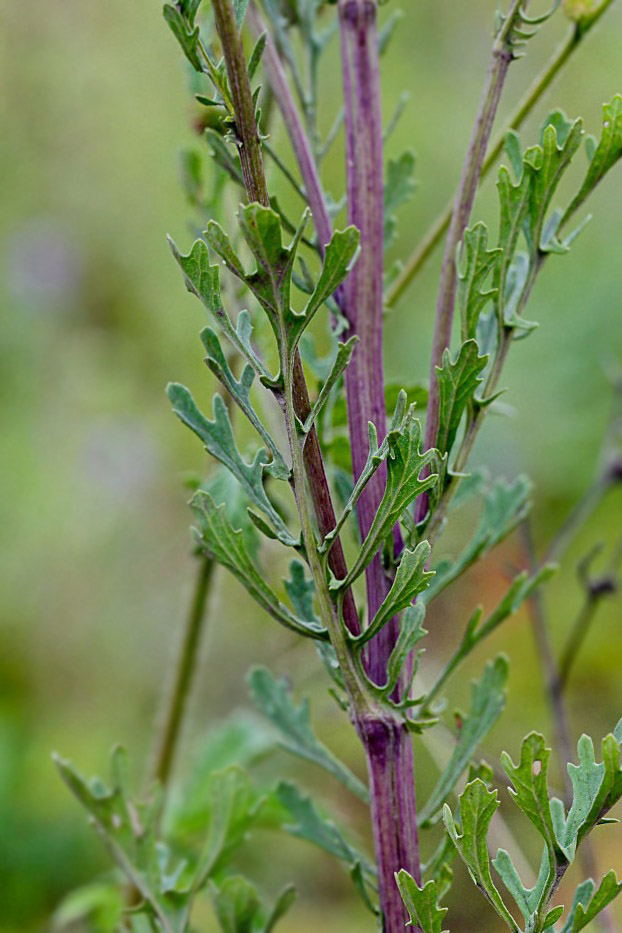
point(362, 535)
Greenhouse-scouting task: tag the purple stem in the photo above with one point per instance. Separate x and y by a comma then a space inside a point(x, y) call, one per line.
point(387, 743)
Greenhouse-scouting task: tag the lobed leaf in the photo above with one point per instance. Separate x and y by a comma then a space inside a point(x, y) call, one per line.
point(273, 699)
point(480, 264)
point(216, 537)
point(477, 808)
point(240, 392)
point(410, 579)
point(421, 903)
point(410, 634)
point(589, 902)
point(310, 825)
point(217, 436)
point(607, 153)
point(458, 381)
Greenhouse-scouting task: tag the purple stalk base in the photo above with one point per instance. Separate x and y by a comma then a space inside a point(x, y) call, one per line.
point(387, 743)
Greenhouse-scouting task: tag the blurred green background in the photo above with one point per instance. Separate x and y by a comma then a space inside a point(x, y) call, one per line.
point(96, 569)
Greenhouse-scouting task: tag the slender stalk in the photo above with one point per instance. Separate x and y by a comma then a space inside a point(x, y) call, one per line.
point(463, 204)
point(168, 738)
point(387, 743)
point(257, 190)
point(433, 237)
point(279, 83)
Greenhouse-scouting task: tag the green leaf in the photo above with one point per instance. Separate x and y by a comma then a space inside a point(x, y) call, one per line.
point(528, 900)
point(219, 441)
point(128, 828)
point(233, 808)
point(520, 589)
point(421, 903)
point(487, 704)
point(477, 808)
point(97, 906)
point(203, 280)
point(552, 917)
point(240, 391)
point(185, 35)
point(399, 188)
point(256, 55)
point(342, 359)
point(376, 456)
point(587, 779)
point(458, 381)
point(530, 791)
point(241, 740)
point(301, 592)
point(587, 904)
point(271, 280)
point(410, 579)
point(273, 699)
point(240, 11)
point(311, 826)
point(410, 634)
point(216, 537)
point(405, 464)
point(479, 265)
point(505, 506)
point(524, 207)
point(607, 153)
point(239, 908)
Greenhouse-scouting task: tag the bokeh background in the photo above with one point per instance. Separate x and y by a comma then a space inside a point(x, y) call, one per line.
point(96, 569)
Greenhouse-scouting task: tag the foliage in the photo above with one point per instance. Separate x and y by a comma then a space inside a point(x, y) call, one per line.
point(400, 489)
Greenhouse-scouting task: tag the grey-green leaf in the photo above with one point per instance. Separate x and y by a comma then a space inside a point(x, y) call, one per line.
point(218, 439)
point(240, 391)
point(273, 699)
point(216, 538)
point(605, 156)
point(480, 263)
point(487, 704)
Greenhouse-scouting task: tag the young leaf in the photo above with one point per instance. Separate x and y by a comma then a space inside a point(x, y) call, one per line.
point(477, 808)
point(487, 704)
point(310, 825)
point(411, 633)
point(411, 578)
point(240, 392)
point(233, 809)
point(421, 903)
point(605, 156)
point(343, 357)
point(187, 37)
point(458, 382)
point(405, 464)
point(219, 540)
point(219, 441)
point(480, 263)
point(203, 280)
point(273, 699)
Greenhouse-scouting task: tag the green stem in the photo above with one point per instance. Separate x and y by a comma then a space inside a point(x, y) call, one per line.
point(168, 738)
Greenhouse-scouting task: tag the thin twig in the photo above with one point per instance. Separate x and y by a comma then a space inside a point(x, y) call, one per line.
point(433, 237)
point(491, 95)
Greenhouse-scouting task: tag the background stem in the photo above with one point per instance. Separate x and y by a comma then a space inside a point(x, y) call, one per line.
point(169, 735)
